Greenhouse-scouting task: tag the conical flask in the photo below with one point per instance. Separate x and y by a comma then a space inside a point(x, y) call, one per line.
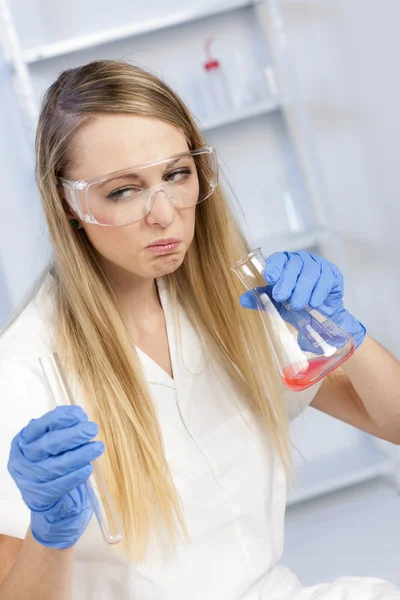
point(306, 345)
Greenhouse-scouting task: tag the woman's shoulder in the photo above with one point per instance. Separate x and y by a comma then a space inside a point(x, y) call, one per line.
point(24, 394)
point(29, 333)
point(27, 337)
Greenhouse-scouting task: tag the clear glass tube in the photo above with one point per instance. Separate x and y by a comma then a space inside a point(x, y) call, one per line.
point(102, 503)
point(306, 345)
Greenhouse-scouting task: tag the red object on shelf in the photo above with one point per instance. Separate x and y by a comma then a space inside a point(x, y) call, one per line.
point(212, 63)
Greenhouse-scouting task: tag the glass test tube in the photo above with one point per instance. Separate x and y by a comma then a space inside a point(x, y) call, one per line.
point(110, 527)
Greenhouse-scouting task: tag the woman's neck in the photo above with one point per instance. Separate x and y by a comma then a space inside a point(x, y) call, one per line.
point(143, 316)
point(138, 301)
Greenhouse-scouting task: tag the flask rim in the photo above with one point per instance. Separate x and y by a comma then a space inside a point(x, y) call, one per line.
point(240, 262)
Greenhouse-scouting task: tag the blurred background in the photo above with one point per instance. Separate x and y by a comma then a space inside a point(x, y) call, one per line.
point(301, 100)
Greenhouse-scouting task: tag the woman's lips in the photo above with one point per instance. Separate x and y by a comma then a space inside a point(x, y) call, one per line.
point(164, 246)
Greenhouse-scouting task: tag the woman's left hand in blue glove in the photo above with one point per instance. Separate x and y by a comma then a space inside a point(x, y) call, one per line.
point(305, 279)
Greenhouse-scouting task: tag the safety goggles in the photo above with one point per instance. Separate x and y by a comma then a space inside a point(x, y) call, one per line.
point(127, 196)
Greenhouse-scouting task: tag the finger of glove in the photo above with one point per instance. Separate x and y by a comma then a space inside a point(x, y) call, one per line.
point(54, 467)
point(59, 418)
point(70, 505)
point(57, 442)
point(284, 287)
point(42, 496)
point(249, 299)
point(331, 280)
point(63, 525)
point(306, 282)
point(274, 266)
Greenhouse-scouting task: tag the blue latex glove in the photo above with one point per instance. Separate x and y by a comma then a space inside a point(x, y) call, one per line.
point(50, 461)
point(304, 279)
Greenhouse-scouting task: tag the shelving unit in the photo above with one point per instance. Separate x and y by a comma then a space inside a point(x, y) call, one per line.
point(241, 114)
point(268, 138)
point(187, 15)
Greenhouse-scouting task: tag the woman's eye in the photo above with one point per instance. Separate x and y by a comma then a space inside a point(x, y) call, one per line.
point(124, 193)
point(179, 176)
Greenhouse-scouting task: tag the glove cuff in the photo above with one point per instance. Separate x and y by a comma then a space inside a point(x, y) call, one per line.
point(52, 535)
point(57, 545)
point(351, 325)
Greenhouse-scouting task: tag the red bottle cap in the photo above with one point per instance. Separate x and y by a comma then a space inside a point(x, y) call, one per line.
point(211, 65)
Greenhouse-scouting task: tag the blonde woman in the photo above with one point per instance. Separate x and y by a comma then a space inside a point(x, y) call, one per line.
point(169, 369)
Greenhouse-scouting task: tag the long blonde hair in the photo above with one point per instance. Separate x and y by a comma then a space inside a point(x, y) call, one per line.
point(91, 335)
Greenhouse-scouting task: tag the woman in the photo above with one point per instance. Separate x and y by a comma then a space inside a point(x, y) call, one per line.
point(174, 374)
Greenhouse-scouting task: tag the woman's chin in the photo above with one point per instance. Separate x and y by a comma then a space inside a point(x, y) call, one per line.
point(164, 265)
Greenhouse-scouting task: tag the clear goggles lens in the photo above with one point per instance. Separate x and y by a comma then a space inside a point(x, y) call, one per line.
point(127, 196)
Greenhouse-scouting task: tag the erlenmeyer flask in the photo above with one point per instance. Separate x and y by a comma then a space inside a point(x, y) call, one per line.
point(306, 345)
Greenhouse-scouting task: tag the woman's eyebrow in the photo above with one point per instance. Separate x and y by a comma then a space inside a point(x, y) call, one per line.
point(131, 175)
point(122, 176)
point(173, 162)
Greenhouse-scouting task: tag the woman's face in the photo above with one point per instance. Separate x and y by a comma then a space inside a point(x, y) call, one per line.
point(112, 143)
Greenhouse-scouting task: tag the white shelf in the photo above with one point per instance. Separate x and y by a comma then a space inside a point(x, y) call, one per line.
point(343, 469)
point(116, 34)
point(247, 112)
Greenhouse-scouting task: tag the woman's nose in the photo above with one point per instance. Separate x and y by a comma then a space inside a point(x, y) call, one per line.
point(162, 211)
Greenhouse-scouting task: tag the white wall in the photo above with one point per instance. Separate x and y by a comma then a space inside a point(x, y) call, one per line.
point(346, 54)
point(22, 252)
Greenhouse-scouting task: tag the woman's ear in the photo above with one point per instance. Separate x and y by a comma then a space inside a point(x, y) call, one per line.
point(71, 216)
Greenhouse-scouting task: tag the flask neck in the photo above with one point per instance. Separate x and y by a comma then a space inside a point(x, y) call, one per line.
point(250, 270)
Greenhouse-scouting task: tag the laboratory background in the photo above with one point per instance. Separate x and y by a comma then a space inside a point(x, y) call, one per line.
point(301, 98)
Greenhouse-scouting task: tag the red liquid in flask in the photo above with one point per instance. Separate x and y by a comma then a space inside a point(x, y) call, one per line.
point(317, 369)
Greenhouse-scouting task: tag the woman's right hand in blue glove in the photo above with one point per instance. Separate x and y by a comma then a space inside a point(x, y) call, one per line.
point(50, 462)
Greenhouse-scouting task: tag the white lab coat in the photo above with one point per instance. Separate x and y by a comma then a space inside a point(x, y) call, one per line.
point(230, 480)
